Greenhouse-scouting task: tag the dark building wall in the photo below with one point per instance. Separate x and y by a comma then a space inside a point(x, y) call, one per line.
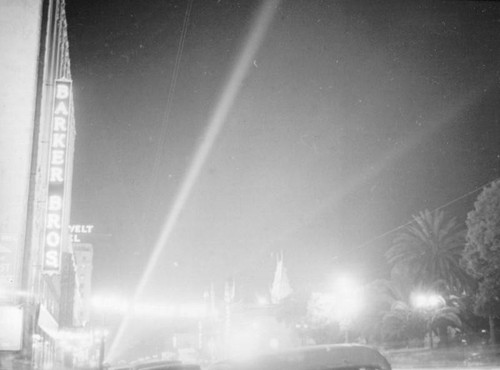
point(66, 307)
point(48, 292)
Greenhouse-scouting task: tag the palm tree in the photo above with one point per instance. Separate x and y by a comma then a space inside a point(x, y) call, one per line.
point(389, 315)
point(393, 317)
point(441, 319)
point(402, 323)
point(430, 248)
point(381, 296)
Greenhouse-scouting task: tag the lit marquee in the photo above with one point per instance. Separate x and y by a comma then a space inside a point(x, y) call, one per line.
point(57, 173)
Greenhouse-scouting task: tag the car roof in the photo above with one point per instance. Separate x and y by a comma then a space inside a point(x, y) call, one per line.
point(154, 364)
point(312, 357)
point(174, 367)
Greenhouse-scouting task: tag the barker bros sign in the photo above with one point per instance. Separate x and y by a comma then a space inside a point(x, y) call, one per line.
point(57, 177)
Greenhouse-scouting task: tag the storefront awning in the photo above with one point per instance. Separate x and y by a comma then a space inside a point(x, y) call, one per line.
point(47, 323)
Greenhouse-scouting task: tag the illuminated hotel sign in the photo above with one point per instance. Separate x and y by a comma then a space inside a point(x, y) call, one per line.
point(57, 176)
point(76, 232)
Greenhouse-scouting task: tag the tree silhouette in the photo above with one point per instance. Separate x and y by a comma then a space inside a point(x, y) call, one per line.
point(430, 249)
point(482, 253)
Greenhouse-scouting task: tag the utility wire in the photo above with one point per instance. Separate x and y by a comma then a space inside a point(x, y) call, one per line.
point(363, 245)
point(168, 108)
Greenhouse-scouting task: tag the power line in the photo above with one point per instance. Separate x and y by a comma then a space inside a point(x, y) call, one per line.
point(363, 245)
point(168, 108)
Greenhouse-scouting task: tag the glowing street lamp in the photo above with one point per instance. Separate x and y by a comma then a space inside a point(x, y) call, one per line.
point(348, 296)
point(348, 301)
point(428, 303)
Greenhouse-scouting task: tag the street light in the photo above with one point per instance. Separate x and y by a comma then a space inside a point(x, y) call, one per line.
point(101, 335)
point(428, 303)
point(348, 298)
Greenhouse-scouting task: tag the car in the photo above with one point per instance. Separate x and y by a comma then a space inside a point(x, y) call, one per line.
point(323, 357)
point(166, 365)
point(174, 367)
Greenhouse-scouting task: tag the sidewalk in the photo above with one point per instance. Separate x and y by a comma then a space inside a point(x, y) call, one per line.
point(8, 362)
point(477, 357)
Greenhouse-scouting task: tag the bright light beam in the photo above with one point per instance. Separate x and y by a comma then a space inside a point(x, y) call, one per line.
point(244, 62)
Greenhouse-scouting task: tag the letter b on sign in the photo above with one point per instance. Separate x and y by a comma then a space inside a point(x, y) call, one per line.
point(62, 91)
point(55, 203)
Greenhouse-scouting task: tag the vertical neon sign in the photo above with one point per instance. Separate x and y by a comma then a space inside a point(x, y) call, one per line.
point(57, 175)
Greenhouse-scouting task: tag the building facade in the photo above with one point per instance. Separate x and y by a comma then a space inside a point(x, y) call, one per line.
point(37, 135)
point(83, 256)
point(19, 40)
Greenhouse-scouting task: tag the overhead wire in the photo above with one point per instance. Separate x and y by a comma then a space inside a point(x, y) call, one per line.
point(168, 108)
point(261, 23)
point(365, 244)
point(165, 122)
point(266, 249)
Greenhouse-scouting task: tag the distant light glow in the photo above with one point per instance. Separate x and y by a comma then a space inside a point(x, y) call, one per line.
point(120, 306)
point(194, 311)
point(348, 296)
point(427, 300)
point(245, 342)
point(274, 344)
point(218, 117)
point(345, 285)
point(110, 304)
point(100, 333)
point(262, 301)
point(341, 303)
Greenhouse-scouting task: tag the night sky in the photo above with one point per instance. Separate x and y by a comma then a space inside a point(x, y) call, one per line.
point(353, 116)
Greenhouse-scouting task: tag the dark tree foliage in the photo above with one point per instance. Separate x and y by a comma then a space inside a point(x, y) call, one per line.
point(430, 249)
point(482, 253)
